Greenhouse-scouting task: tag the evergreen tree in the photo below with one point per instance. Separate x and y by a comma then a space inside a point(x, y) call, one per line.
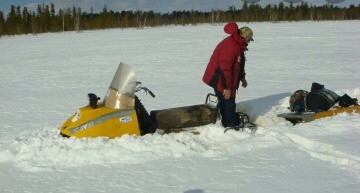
point(245, 12)
point(11, 21)
point(2, 24)
point(281, 11)
point(26, 21)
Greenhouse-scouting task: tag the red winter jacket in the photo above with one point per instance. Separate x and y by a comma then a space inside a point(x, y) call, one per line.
point(224, 69)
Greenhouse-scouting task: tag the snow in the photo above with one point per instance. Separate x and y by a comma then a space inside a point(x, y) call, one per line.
point(45, 78)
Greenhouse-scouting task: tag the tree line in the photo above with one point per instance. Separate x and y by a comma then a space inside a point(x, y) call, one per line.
point(45, 19)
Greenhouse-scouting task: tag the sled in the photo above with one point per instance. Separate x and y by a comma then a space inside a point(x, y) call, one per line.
point(180, 119)
point(173, 119)
point(311, 116)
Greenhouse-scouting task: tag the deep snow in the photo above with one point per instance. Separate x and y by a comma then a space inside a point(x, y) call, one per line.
point(45, 78)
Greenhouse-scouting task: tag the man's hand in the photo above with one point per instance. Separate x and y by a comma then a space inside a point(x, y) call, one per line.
point(244, 83)
point(227, 93)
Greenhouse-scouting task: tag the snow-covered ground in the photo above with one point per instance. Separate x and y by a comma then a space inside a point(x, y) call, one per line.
point(45, 78)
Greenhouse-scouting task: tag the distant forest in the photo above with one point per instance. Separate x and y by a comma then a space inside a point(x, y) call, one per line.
point(45, 19)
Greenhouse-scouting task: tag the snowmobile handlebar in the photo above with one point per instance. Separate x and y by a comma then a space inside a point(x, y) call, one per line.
point(139, 87)
point(148, 91)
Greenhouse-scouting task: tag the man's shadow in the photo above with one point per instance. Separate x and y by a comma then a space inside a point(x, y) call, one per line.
point(195, 191)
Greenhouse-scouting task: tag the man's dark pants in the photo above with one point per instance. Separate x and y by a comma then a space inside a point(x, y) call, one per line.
point(229, 118)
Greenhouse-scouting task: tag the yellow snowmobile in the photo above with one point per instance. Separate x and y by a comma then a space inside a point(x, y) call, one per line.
point(121, 112)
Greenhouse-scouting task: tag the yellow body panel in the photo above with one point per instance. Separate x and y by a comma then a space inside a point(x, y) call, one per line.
point(311, 116)
point(332, 112)
point(101, 122)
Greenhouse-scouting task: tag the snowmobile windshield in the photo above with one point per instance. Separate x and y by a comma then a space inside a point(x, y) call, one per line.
point(121, 93)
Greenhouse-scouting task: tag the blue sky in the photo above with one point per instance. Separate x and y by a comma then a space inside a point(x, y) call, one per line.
point(146, 5)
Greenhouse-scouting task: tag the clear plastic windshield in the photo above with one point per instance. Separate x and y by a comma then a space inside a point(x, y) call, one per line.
point(121, 93)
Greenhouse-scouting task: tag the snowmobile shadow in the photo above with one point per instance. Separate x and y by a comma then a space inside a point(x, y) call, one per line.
point(260, 106)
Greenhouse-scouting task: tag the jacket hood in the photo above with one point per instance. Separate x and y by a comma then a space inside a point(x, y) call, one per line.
point(231, 28)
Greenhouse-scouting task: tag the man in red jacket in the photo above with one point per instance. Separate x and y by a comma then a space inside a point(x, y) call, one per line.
point(226, 69)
